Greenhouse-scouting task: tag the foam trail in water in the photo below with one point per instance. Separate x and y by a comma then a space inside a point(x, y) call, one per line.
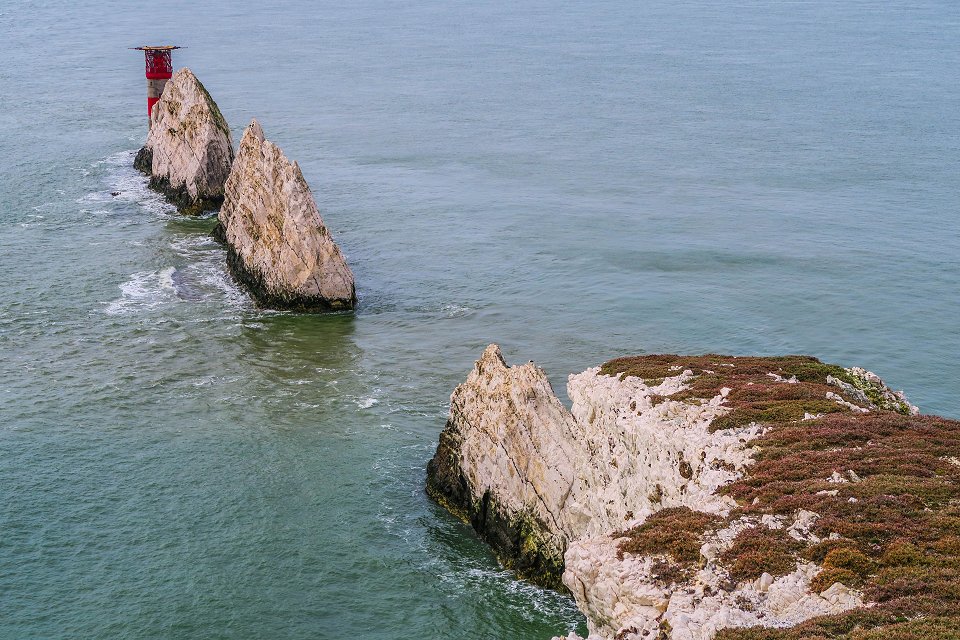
point(206, 277)
point(144, 290)
point(366, 403)
point(130, 186)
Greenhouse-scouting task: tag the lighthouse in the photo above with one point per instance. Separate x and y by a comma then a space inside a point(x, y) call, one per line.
point(159, 69)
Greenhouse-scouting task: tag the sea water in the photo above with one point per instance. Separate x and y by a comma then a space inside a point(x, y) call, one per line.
point(576, 181)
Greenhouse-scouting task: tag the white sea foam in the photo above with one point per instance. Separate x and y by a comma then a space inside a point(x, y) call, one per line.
point(454, 311)
point(520, 596)
point(144, 290)
point(216, 277)
point(211, 380)
point(366, 403)
point(194, 244)
point(120, 177)
point(206, 277)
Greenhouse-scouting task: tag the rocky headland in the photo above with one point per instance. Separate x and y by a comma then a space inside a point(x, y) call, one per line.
point(277, 243)
point(697, 497)
point(189, 151)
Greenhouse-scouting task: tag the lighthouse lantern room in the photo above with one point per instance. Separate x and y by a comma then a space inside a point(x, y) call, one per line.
point(159, 69)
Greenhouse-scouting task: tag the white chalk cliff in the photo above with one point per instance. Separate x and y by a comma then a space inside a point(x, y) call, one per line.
point(277, 243)
point(189, 151)
point(549, 488)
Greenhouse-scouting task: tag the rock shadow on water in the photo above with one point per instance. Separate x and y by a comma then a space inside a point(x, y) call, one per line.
point(285, 346)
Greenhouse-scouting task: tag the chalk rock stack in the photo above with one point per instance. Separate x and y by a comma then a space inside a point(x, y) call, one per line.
point(277, 244)
point(505, 463)
point(189, 151)
point(563, 494)
point(533, 476)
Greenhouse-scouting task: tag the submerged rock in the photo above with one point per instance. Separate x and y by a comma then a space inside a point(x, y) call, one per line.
point(277, 244)
point(189, 150)
point(681, 497)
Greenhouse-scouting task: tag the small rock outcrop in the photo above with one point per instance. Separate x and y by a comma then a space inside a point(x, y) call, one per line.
point(189, 150)
point(277, 244)
point(689, 498)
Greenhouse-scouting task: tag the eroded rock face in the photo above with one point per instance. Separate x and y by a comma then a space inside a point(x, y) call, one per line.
point(626, 595)
point(189, 151)
point(505, 463)
point(277, 244)
point(532, 476)
point(563, 493)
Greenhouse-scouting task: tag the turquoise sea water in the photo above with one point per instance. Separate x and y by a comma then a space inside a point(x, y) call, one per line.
point(574, 180)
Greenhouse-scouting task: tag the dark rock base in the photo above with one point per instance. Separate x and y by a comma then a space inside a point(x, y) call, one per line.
point(254, 283)
point(144, 160)
point(515, 538)
point(177, 195)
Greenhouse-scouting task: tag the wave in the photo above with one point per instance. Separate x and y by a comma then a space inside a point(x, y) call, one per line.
point(205, 277)
point(200, 273)
point(366, 402)
point(203, 280)
point(455, 311)
point(144, 290)
point(123, 184)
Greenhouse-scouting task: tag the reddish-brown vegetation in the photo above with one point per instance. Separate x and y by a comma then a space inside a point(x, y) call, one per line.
point(896, 508)
point(755, 395)
point(760, 550)
point(676, 532)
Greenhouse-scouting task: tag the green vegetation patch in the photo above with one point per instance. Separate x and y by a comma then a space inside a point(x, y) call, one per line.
point(876, 393)
point(844, 564)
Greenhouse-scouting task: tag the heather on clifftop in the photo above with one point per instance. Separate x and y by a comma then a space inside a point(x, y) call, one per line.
point(887, 488)
point(884, 484)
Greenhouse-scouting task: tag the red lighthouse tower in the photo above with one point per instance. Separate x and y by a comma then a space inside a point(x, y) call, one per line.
point(159, 69)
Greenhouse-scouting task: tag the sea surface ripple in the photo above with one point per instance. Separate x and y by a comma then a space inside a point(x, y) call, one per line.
point(575, 181)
